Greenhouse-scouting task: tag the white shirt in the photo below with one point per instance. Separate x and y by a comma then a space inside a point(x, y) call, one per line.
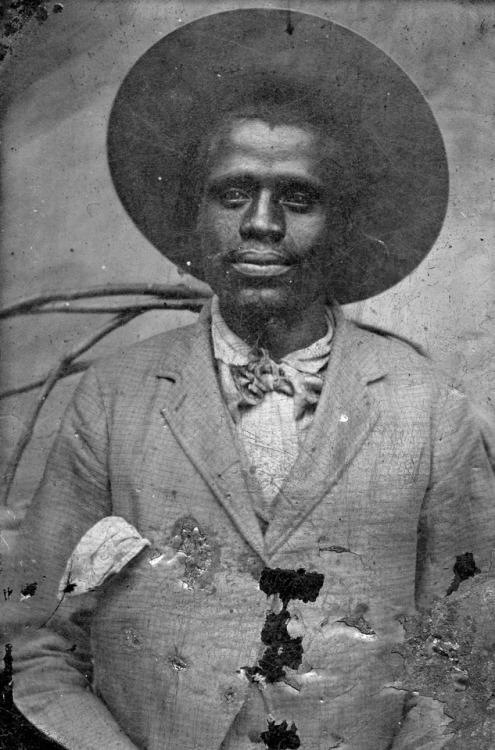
point(271, 432)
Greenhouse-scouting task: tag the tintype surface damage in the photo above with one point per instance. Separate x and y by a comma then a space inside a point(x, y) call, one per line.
point(282, 650)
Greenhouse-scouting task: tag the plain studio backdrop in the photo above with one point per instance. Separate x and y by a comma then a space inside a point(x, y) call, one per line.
point(63, 227)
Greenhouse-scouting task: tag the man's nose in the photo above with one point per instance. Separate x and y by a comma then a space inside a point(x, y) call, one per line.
point(264, 219)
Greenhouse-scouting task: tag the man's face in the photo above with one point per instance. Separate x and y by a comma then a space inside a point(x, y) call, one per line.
point(264, 218)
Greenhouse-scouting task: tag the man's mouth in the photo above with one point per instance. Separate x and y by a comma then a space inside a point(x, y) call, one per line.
point(262, 264)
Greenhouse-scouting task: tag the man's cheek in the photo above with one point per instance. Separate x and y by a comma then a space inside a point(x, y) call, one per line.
point(218, 274)
point(217, 241)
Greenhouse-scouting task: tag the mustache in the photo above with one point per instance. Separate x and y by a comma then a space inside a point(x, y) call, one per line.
point(285, 253)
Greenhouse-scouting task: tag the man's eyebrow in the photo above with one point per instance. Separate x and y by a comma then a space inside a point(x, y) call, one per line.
point(291, 179)
point(239, 178)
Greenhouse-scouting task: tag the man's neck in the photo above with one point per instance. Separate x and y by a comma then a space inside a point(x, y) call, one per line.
point(281, 333)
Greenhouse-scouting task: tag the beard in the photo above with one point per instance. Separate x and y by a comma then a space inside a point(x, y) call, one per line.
point(257, 305)
point(251, 303)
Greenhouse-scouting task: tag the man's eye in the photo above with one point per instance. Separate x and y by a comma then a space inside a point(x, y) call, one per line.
point(233, 197)
point(299, 201)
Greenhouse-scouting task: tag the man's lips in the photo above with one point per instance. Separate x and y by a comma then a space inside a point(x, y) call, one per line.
point(260, 263)
point(255, 269)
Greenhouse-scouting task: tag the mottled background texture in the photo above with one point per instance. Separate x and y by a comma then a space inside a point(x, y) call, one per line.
point(62, 225)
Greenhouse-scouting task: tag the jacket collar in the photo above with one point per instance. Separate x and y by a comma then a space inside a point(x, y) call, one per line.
point(197, 415)
point(345, 416)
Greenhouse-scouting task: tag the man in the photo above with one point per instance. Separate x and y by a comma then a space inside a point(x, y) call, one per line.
point(243, 511)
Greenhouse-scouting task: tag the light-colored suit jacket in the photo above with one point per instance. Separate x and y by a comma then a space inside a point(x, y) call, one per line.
point(392, 483)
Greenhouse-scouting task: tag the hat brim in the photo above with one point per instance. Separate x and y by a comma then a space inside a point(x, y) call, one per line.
point(179, 85)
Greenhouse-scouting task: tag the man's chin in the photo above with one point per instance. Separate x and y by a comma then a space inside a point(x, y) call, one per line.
point(260, 303)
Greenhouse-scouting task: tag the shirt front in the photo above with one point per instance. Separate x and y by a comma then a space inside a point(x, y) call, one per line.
point(271, 432)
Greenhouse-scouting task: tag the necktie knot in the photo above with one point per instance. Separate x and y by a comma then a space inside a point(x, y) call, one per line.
point(247, 375)
point(260, 376)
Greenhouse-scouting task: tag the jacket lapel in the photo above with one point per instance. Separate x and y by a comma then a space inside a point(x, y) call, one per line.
point(198, 417)
point(345, 416)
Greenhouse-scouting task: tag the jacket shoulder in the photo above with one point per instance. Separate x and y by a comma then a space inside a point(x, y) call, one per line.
point(146, 356)
point(404, 360)
point(391, 339)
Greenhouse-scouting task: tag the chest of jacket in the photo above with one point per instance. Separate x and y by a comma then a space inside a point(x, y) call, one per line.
point(188, 613)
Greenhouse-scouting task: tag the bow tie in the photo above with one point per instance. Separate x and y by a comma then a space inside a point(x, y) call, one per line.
point(262, 375)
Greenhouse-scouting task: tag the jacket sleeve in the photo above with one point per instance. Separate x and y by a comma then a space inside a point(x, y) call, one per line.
point(51, 652)
point(458, 516)
point(458, 511)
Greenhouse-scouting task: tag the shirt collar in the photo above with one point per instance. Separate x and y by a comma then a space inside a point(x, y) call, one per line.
point(232, 350)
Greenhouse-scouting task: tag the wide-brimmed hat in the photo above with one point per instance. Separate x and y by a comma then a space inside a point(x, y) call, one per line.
point(395, 189)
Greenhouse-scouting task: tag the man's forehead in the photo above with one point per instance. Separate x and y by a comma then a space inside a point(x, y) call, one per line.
point(249, 141)
point(256, 134)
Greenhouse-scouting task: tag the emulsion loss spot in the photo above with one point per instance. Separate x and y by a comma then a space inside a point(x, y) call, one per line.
point(196, 552)
point(291, 584)
point(282, 649)
point(281, 736)
point(28, 590)
point(465, 567)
